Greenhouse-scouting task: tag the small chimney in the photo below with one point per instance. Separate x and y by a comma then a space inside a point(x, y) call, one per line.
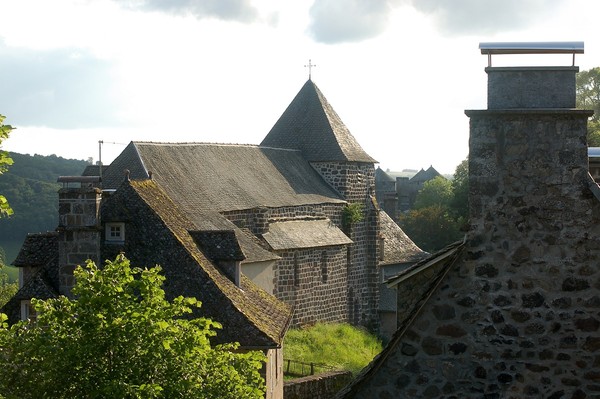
point(78, 226)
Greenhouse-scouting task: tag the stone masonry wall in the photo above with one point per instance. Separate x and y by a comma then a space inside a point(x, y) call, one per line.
point(356, 183)
point(317, 294)
point(518, 315)
point(79, 232)
point(319, 386)
point(313, 280)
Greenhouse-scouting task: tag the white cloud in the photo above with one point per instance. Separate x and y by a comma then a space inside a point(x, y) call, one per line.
point(334, 21)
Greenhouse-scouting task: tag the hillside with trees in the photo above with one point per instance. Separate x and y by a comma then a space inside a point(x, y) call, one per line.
point(30, 187)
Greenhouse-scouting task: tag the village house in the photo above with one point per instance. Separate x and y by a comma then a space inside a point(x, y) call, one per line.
point(285, 233)
point(511, 311)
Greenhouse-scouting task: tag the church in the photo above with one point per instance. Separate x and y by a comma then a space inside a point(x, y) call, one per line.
point(285, 233)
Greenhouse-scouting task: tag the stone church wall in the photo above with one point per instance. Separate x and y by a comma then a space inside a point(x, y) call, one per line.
point(315, 282)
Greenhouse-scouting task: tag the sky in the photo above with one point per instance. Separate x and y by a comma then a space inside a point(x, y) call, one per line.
point(399, 73)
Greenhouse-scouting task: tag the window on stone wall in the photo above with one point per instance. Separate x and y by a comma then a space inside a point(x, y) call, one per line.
point(27, 311)
point(115, 232)
point(324, 261)
point(296, 270)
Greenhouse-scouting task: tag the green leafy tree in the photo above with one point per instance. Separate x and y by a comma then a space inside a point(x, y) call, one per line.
point(7, 289)
point(440, 212)
point(588, 97)
point(431, 228)
point(459, 204)
point(437, 191)
point(5, 162)
point(120, 338)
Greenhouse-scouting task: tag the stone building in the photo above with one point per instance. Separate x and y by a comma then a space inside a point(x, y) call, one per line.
point(512, 311)
point(291, 223)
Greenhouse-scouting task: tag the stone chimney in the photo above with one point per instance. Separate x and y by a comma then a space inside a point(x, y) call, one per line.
point(78, 226)
point(528, 161)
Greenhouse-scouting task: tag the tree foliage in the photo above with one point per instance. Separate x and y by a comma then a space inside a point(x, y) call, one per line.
point(5, 162)
point(588, 97)
point(31, 189)
point(7, 289)
point(120, 338)
point(437, 191)
point(440, 211)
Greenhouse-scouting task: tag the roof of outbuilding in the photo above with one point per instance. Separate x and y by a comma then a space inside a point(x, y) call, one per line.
point(263, 318)
point(304, 234)
point(223, 177)
point(397, 246)
point(38, 249)
point(311, 125)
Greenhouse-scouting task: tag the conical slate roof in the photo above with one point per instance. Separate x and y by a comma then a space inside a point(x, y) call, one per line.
point(310, 124)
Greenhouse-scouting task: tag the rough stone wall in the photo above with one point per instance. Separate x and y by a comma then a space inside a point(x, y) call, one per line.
point(518, 315)
point(320, 386)
point(315, 293)
point(79, 232)
point(356, 183)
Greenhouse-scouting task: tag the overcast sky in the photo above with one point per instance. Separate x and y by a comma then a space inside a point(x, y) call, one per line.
point(400, 73)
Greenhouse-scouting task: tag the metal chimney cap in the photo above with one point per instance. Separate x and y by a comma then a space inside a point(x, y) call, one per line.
point(531, 47)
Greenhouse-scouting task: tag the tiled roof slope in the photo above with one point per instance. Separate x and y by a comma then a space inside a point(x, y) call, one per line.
point(398, 247)
point(38, 249)
point(254, 318)
point(304, 234)
point(223, 177)
point(310, 124)
point(38, 286)
point(380, 175)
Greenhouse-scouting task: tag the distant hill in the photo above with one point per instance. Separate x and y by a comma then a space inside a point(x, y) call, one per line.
point(30, 187)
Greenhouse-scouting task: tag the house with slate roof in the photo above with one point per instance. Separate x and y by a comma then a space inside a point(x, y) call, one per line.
point(258, 233)
point(513, 310)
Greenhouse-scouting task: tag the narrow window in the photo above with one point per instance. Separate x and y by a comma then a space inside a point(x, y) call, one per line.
point(27, 311)
point(296, 270)
point(324, 266)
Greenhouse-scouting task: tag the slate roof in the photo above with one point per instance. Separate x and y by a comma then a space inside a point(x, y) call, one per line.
point(223, 177)
point(449, 256)
point(381, 175)
point(397, 247)
point(425, 175)
point(255, 318)
point(311, 125)
point(38, 249)
point(304, 234)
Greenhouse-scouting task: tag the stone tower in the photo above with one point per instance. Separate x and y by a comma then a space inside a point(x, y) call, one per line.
point(311, 125)
point(78, 227)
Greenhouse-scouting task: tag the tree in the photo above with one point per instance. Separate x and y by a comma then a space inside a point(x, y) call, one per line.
point(120, 338)
point(5, 162)
point(437, 191)
point(459, 204)
point(7, 289)
point(440, 211)
point(587, 86)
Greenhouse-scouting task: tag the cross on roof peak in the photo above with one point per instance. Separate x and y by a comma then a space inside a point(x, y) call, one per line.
point(310, 66)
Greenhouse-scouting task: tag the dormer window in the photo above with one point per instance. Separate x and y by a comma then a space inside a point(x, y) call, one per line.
point(115, 232)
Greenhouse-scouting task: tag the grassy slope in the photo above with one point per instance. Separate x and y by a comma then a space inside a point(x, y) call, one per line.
point(339, 345)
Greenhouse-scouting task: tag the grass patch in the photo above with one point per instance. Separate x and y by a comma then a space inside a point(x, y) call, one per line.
point(339, 345)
